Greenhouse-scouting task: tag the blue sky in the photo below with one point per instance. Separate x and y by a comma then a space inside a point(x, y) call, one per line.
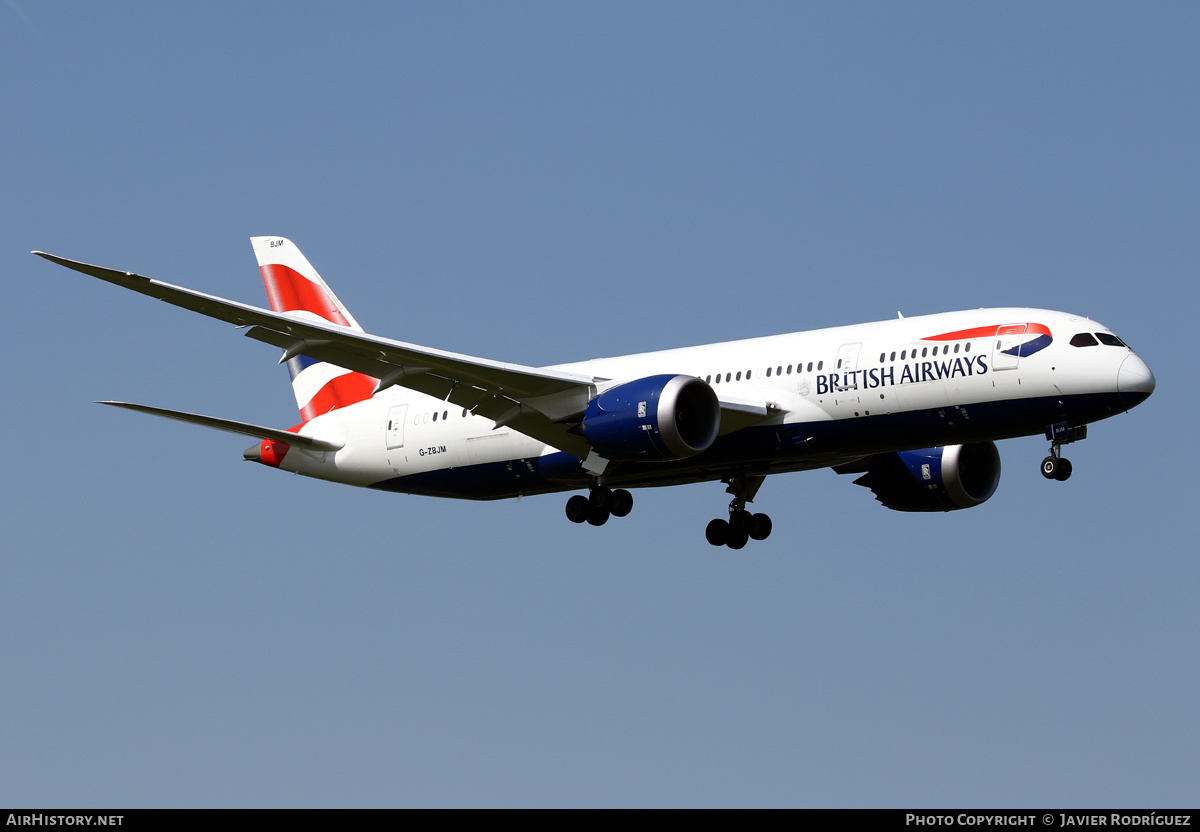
point(543, 183)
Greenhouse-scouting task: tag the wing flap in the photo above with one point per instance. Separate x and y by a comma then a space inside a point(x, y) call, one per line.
point(742, 413)
point(491, 402)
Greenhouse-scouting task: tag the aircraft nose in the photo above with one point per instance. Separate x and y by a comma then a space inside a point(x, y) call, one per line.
point(1135, 382)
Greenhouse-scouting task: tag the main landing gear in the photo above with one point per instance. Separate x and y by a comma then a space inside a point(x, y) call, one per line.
point(742, 526)
point(1056, 466)
point(738, 530)
point(599, 505)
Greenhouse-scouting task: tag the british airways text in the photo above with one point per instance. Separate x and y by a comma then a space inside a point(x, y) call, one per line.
point(909, 374)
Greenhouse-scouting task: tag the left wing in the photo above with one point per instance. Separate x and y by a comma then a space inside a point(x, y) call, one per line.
point(538, 403)
point(543, 404)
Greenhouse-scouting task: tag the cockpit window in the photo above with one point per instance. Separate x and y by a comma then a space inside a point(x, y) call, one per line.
point(1083, 339)
point(1108, 339)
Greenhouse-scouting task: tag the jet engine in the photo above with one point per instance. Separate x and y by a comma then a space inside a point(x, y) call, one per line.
point(934, 479)
point(654, 418)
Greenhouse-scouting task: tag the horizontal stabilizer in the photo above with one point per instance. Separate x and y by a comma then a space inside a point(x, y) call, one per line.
point(256, 431)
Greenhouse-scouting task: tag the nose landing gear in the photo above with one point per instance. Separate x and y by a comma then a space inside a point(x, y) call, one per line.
point(1056, 466)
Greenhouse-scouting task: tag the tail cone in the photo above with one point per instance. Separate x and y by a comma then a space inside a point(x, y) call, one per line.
point(268, 452)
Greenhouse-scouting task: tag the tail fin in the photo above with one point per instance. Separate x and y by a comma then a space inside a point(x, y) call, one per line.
point(293, 285)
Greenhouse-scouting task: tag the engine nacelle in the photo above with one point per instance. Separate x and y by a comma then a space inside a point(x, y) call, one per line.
point(935, 479)
point(653, 418)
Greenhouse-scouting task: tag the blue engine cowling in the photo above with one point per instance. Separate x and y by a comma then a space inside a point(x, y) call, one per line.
point(935, 479)
point(653, 418)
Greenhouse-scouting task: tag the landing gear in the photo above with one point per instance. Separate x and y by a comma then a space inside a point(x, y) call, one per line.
point(739, 529)
point(1055, 467)
point(599, 505)
point(742, 526)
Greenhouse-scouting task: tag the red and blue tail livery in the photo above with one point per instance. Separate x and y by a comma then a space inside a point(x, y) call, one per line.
point(294, 286)
point(915, 415)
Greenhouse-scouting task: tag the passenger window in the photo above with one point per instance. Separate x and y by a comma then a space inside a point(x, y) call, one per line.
point(727, 376)
point(1110, 340)
point(1084, 339)
point(778, 370)
point(768, 372)
point(820, 365)
point(445, 414)
point(956, 348)
point(893, 355)
point(924, 352)
point(968, 348)
point(789, 372)
point(903, 354)
point(739, 375)
point(747, 375)
point(435, 417)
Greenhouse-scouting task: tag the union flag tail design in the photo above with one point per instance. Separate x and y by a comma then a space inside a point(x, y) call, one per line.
point(293, 285)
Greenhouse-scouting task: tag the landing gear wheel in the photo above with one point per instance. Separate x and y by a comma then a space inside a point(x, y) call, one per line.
point(760, 528)
point(601, 498)
point(578, 508)
point(1050, 467)
point(597, 516)
point(1064, 469)
point(742, 525)
point(742, 521)
point(622, 503)
point(717, 532)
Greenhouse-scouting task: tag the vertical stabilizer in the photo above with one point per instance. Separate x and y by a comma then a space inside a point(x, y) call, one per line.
point(294, 286)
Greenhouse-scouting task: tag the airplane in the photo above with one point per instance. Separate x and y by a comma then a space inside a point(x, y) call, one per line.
point(913, 406)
